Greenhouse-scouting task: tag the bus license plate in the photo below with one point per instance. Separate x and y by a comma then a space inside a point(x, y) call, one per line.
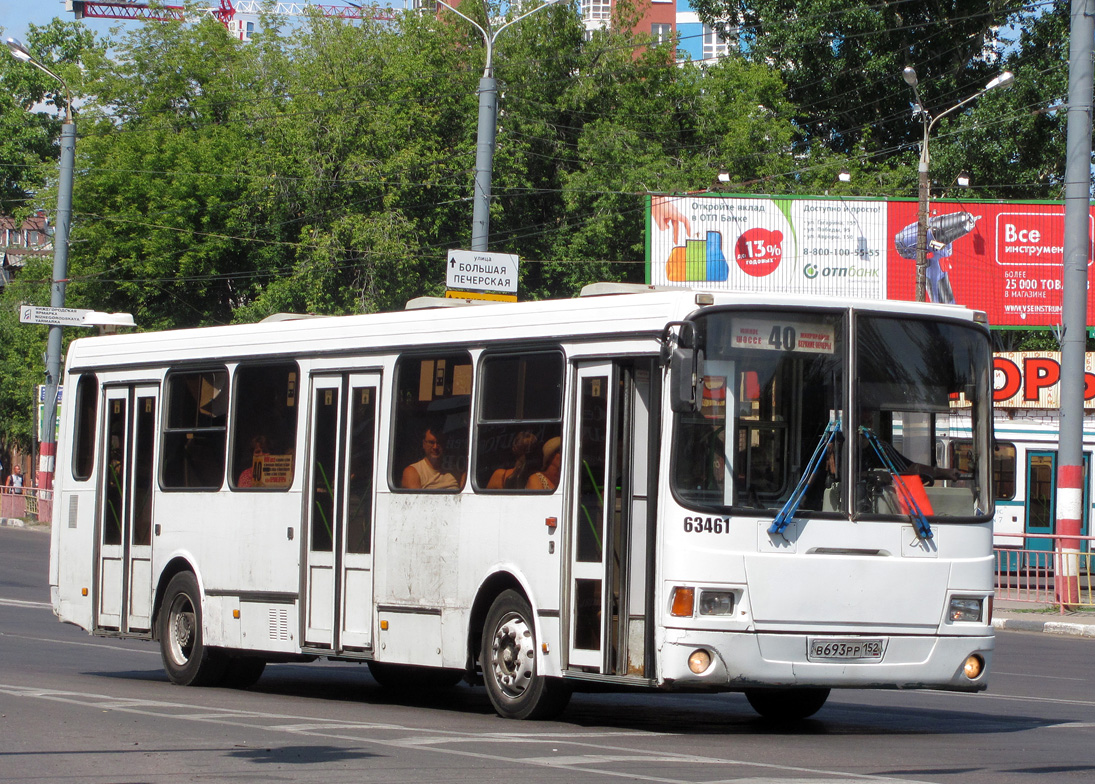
point(857, 648)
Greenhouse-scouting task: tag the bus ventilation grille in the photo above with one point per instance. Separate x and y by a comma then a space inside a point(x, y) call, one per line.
point(279, 624)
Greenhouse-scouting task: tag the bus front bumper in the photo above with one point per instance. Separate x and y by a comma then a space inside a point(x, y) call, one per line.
point(739, 660)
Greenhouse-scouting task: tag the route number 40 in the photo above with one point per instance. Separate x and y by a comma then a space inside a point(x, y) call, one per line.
point(783, 338)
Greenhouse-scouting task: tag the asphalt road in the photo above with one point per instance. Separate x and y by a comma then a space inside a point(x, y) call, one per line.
point(74, 708)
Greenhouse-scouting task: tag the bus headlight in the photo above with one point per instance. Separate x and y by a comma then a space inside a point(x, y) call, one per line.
point(963, 610)
point(716, 602)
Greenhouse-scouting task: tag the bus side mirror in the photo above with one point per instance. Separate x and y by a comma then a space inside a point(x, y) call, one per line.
point(684, 374)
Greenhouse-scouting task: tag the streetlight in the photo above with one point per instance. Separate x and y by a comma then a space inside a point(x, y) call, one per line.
point(48, 447)
point(485, 134)
point(909, 75)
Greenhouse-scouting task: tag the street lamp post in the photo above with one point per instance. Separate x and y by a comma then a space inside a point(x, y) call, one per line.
point(487, 130)
point(909, 75)
point(48, 446)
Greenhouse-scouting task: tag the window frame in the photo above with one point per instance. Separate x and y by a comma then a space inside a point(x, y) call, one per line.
point(168, 433)
point(515, 425)
point(234, 441)
point(397, 427)
point(84, 442)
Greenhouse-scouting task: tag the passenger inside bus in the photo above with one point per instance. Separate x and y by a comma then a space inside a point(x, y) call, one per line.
point(426, 474)
point(526, 462)
point(548, 477)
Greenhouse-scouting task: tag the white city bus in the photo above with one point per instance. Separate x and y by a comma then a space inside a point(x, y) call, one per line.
point(639, 487)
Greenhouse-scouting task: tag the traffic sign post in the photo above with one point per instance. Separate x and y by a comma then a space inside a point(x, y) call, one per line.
point(469, 270)
point(66, 317)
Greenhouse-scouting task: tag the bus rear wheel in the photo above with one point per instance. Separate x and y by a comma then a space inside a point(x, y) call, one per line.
point(786, 704)
point(186, 658)
point(507, 657)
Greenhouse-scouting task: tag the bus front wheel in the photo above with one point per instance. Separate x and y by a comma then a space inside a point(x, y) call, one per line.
point(508, 660)
point(786, 704)
point(186, 658)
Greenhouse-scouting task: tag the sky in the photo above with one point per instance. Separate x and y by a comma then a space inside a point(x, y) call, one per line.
point(15, 15)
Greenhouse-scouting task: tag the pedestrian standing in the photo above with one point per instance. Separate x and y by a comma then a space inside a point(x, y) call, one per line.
point(15, 481)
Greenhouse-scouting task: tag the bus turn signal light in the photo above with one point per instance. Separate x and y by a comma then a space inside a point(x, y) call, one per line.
point(684, 599)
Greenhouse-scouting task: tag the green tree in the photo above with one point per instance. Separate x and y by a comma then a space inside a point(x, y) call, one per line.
point(32, 106)
point(842, 59)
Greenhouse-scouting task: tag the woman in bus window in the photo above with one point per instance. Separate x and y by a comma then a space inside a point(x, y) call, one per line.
point(527, 459)
point(548, 477)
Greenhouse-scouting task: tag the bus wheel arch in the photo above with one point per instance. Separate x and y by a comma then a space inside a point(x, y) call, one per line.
point(509, 661)
point(187, 660)
point(172, 568)
point(490, 590)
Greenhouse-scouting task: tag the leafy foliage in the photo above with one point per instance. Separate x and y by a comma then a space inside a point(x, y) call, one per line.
point(328, 166)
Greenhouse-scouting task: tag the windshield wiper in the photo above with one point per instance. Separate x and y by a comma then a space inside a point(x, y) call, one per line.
point(904, 492)
point(787, 513)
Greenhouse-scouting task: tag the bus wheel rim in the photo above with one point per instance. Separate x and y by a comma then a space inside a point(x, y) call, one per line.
point(513, 656)
point(182, 630)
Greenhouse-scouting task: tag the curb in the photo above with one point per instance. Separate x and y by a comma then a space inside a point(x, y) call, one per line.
point(1047, 627)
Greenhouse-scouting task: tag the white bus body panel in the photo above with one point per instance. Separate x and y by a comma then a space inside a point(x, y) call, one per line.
point(438, 550)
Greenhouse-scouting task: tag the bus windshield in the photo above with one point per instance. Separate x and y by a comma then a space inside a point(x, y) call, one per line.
point(772, 388)
point(771, 383)
point(912, 379)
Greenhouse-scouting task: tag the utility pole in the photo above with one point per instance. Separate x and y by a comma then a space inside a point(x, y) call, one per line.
point(1006, 79)
point(1077, 249)
point(48, 447)
point(487, 130)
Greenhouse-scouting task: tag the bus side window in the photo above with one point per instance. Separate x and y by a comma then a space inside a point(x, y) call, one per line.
point(264, 426)
point(1003, 470)
point(1003, 465)
point(194, 430)
point(432, 416)
point(520, 421)
point(87, 410)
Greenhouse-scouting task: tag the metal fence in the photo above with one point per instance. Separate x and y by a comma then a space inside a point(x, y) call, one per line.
point(1051, 571)
point(29, 503)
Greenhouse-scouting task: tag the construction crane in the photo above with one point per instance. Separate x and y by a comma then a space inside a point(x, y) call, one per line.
point(120, 9)
point(225, 13)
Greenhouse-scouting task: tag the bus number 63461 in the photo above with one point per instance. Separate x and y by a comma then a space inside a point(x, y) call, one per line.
point(706, 525)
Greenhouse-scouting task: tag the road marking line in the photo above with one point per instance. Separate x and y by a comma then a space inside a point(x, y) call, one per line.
point(311, 727)
point(21, 603)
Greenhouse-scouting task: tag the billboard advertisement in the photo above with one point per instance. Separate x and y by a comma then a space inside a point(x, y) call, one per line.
point(1032, 379)
point(1000, 257)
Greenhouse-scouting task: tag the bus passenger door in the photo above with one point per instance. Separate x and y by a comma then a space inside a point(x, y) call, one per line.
point(610, 530)
point(124, 574)
point(338, 568)
point(1041, 500)
point(356, 606)
point(1041, 517)
point(322, 526)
